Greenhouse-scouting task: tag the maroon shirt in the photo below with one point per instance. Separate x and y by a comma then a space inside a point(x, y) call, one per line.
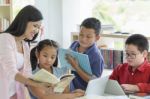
point(141, 76)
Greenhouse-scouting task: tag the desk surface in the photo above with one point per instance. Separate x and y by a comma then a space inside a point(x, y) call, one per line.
point(102, 97)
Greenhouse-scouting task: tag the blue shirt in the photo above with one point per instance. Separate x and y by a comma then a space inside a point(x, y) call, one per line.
point(96, 63)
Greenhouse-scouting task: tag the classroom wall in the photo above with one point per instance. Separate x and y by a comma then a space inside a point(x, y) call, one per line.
point(52, 12)
point(74, 12)
point(62, 16)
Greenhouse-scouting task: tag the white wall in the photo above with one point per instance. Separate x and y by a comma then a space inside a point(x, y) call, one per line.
point(62, 16)
point(74, 12)
point(51, 10)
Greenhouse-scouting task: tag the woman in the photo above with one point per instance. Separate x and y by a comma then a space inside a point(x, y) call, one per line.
point(15, 68)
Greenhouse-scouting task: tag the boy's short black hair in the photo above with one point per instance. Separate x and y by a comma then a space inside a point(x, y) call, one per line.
point(138, 40)
point(92, 23)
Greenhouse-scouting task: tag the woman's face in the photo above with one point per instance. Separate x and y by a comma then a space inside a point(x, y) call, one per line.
point(32, 29)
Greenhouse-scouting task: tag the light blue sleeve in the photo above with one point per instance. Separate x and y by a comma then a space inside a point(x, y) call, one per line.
point(60, 71)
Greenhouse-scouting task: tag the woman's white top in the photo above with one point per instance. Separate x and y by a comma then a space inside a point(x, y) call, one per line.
point(20, 62)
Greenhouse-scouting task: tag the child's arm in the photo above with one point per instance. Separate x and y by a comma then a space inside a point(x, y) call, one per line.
point(62, 96)
point(130, 88)
point(40, 92)
point(75, 65)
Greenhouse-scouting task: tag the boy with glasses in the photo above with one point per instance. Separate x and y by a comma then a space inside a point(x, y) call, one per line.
point(134, 75)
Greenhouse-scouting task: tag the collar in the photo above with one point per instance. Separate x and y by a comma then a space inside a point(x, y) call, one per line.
point(87, 50)
point(141, 68)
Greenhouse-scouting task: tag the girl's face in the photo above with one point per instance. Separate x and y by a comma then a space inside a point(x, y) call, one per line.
point(47, 57)
point(133, 56)
point(31, 29)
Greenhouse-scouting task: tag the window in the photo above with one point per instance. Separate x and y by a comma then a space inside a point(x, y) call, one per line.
point(17, 5)
point(131, 16)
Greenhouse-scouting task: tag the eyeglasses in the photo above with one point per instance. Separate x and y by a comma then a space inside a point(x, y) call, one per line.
point(131, 55)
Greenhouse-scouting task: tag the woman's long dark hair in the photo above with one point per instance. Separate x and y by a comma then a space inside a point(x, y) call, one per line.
point(42, 44)
point(27, 14)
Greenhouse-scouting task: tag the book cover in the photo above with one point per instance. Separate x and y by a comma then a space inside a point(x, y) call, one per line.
point(82, 59)
point(61, 83)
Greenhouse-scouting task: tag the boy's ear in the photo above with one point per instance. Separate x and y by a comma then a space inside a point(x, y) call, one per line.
point(145, 53)
point(97, 37)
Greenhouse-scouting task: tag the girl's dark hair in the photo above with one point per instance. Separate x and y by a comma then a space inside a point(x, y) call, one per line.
point(38, 48)
point(138, 40)
point(27, 14)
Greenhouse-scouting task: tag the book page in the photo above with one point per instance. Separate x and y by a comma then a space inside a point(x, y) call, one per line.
point(97, 86)
point(64, 82)
point(113, 88)
point(44, 76)
point(104, 87)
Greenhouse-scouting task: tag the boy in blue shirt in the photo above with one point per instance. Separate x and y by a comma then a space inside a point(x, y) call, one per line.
point(88, 35)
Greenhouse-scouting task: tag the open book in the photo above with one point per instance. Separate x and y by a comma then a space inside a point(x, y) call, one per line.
point(105, 87)
point(82, 59)
point(61, 83)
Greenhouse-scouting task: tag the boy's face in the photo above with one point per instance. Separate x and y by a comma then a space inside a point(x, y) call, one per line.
point(87, 37)
point(133, 56)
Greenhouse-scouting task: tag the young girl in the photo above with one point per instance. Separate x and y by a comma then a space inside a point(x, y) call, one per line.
point(44, 55)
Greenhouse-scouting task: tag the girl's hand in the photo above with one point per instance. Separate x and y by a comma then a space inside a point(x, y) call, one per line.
point(72, 61)
point(78, 93)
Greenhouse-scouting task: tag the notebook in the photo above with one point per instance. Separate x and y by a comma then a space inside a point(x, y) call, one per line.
point(104, 87)
point(82, 59)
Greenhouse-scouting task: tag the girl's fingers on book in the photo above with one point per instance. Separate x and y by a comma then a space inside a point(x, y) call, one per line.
point(79, 91)
point(78, 94)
